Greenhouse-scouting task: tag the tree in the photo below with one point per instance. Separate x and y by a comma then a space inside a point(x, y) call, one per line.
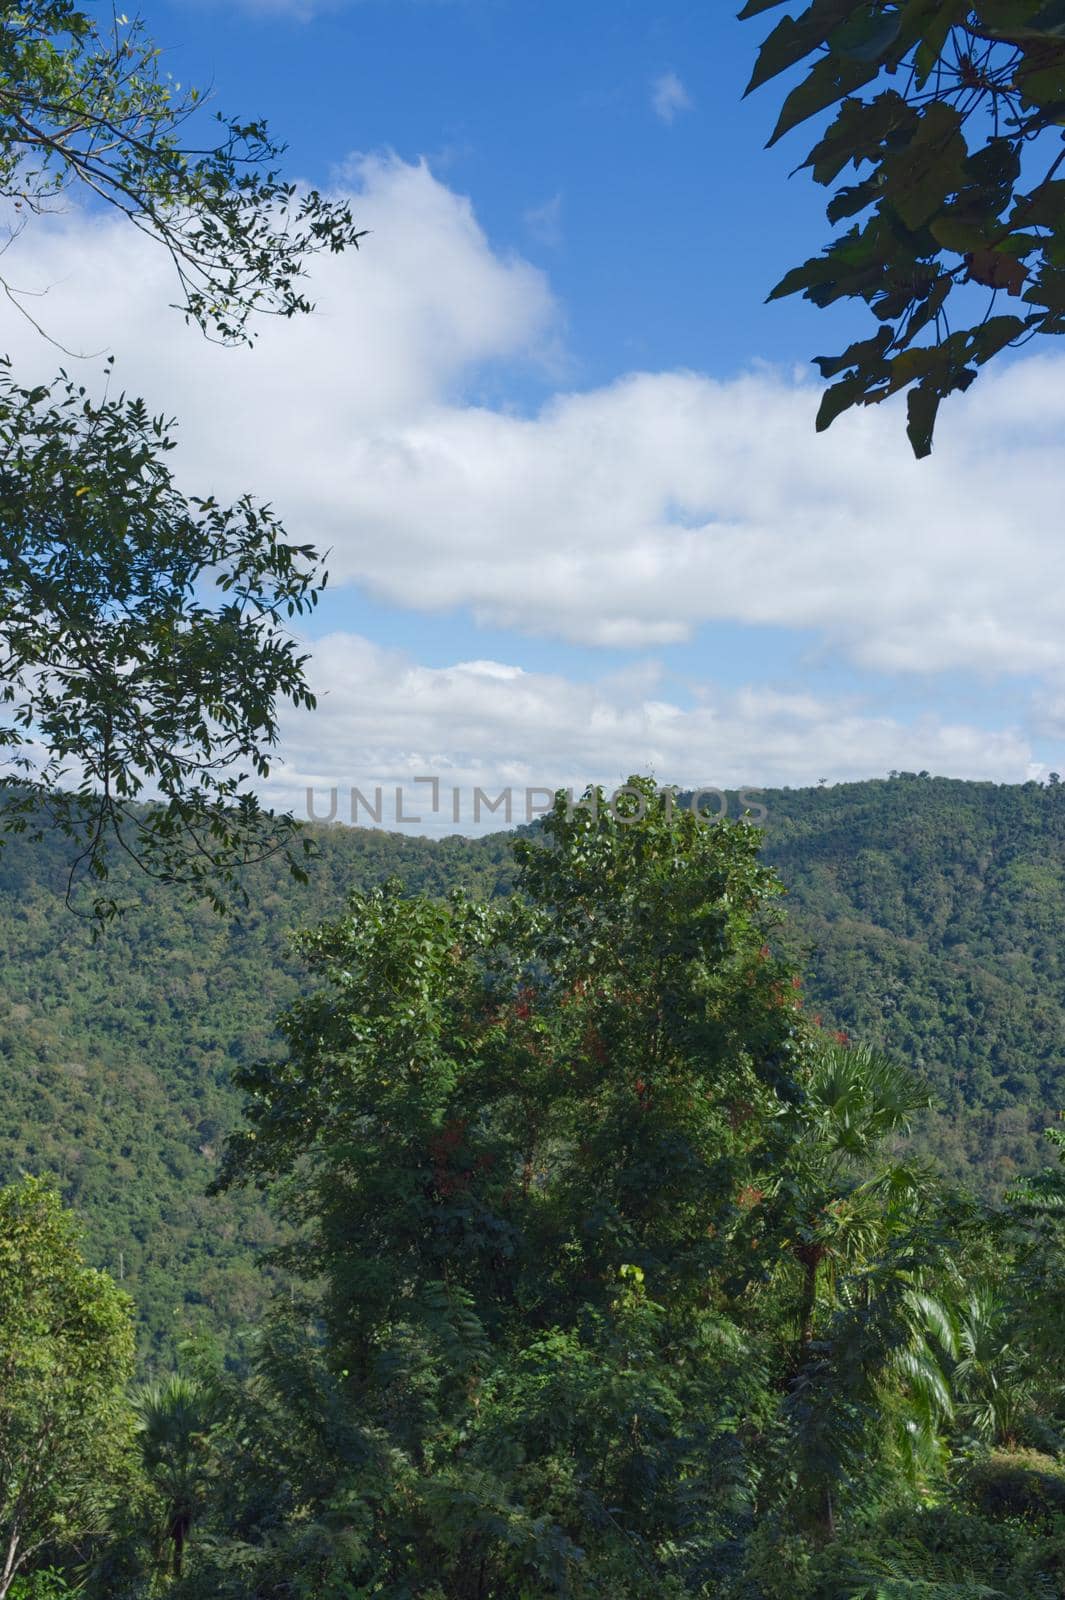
point(66, 1354)
point(994, 1370)
point(116, 658)
point(174, 1421)
point(85, 105)
point(850, 1231)
point(143, 642)
point(829, 1192)
point(513, 1141)
point(606, 1278)
point(951, 116)
point(1037, 1208)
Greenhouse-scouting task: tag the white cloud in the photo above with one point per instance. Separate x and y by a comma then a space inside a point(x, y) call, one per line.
point(544, 222)
point(627, 515)
point(385, 720)
point(669, 97)
point(399, 325)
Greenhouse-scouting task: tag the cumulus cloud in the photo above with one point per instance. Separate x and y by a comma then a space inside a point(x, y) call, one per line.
point(628, 515)
point(669, 97)
point(384, 721)
point(398, 329)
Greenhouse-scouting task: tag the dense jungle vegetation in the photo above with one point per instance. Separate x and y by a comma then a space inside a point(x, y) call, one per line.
point(601, 1265)
point(923, 912)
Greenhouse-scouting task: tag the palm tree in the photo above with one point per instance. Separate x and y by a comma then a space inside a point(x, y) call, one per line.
point(831, 1200)
point(175, 1421)
point(854, 1223)
point(992, 1376)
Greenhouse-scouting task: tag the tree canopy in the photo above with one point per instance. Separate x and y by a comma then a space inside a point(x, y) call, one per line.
point(611, 1284)
point(144, 642)
point(606, 1277)
point(950, 115)
point(88, 107)
point(66, 1356)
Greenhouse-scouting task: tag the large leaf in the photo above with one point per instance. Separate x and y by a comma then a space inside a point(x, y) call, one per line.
point(858, 133)
point(956, 234)
point(995, 334)
point(849, 201)
point(754, 8)
point(922, 404)
point(864, 353)
point(839, 398)
point(1044, 207)
point(930, 168)
point(996, 270)
point(931, 21)
point(830, 80)
point(793, 38)
point(866, 35)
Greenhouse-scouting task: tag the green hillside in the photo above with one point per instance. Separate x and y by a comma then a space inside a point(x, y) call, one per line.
point(115, 1057)
point(929, 910)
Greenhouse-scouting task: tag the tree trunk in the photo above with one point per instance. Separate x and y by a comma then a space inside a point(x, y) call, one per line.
point(178, 1531)
point(809, 1300)
point(11, 1565)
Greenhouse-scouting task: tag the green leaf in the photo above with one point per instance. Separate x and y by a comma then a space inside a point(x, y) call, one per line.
point(865, 353)
point(930, 22)
point(922, 405)
point(788, 43)
point(830, 80)
point(794, 38)
point(921, 177)
point(929, 310)
point(817, 270)
point(866, 35)
point(839, 398)
point(957, 234)
point(1044, 207)
point(1048, 289)
point(849, 201)
point(994, 335)
point(1043, 85)
point(858, 133)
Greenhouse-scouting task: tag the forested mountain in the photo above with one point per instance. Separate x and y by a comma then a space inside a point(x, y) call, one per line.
point(928, 911)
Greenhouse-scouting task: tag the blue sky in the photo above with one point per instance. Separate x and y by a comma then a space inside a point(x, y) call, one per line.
point(662, 233)
point(560, 448)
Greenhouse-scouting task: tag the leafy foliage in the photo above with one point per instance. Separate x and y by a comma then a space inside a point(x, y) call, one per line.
point(89, 105)
point(143, 643)
point(950, 115)
point(606, 1273)
point(515, 1139)
point(66, 1353)
point(173, 1425)
point(925, 912)
point(113, 662)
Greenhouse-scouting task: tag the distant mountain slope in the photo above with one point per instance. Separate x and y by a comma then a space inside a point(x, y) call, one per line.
point(115, 1058)
point(930, 912)
point(933, 914)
